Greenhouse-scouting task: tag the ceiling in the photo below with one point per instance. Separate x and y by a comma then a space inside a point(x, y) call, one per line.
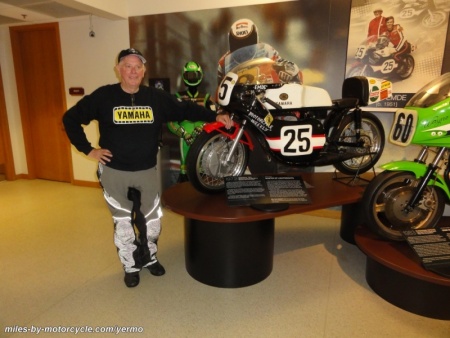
point(32, 11)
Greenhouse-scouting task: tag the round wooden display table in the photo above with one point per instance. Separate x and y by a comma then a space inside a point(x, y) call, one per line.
point(231, 246)
point(395, 273)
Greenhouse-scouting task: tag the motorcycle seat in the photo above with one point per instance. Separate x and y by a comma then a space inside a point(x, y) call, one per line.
point(349, 102)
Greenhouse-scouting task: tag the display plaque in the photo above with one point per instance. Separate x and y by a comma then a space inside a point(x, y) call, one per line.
point(432, 246)
point(250, 190)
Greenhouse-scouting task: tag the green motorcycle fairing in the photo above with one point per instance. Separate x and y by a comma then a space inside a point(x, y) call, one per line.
point(419, 170)
point(425, 120)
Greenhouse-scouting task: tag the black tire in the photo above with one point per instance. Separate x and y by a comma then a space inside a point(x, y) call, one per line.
point(408, 67)
point(206, 167)
point(373, 137)
point(384, 200)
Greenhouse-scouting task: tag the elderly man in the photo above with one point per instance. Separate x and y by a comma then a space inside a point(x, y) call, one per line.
point(130, 117)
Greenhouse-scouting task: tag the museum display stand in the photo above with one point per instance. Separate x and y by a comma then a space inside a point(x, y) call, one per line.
point(233, 246)
point(395, 273)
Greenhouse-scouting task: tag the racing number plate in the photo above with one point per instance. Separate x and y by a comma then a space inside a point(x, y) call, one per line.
point(296, 140)
point(360, 52)
point(226, 87)
point(403, 127)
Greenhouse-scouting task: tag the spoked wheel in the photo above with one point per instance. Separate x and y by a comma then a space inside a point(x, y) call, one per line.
point(206, 161)
point(386, 197)
point(372, 140)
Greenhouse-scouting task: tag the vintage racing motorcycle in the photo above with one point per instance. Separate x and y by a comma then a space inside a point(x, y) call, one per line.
point(294, 124)
point(375, 57)
point(431, 15)
point(412, 194)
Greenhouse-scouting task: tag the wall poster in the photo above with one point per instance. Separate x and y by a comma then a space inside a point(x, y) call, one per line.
point(402, 40)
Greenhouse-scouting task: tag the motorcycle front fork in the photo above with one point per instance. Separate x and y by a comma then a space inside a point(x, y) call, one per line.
point(432, 168)
point(236, 141)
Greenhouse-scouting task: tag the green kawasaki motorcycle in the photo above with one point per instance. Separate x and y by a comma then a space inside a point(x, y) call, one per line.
point(413, 194)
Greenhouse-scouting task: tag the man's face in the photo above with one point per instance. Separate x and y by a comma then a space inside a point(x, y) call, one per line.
point(377, 13)
point(390, 24)
point(131, 70)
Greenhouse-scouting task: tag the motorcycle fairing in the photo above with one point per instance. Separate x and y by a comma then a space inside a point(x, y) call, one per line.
point(375, 57)
point(287, 96)
point(381, 50)
point(421, 126)
point(403, 127)
point(425, 120)
point(419, 170)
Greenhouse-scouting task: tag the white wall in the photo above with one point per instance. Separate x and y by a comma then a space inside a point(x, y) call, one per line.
point(89, 63)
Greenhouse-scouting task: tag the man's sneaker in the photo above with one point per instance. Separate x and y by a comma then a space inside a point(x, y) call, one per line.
point(156, 269)
point(131, 279)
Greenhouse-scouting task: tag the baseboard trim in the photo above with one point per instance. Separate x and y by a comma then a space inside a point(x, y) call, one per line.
point(89, 184)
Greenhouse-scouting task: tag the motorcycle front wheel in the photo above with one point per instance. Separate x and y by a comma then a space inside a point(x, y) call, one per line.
point(206, 161)
point(360, 70)
point(384, 202)
point(372, 140)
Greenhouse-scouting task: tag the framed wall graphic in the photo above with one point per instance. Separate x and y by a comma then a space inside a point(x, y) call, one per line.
point(380, 30)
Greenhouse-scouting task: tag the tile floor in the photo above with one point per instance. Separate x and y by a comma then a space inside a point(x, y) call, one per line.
point(60, 270)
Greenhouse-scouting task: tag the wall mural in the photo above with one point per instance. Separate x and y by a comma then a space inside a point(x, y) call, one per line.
point(403, 41)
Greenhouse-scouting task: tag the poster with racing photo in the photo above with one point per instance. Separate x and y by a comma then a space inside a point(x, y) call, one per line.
point(402, 41)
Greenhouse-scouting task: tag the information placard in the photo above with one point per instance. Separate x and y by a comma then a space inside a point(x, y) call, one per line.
point(432, 246)
point(249, 190)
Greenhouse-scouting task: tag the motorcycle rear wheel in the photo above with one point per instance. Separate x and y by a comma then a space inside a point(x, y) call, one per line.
point(407, 67)
point(373, 137)
point(206, 162)
point(384, 201)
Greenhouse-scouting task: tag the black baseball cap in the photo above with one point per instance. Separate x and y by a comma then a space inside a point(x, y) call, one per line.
point(131, 51)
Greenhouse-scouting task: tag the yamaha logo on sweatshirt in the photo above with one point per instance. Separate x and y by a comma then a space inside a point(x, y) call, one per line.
point(133, 115)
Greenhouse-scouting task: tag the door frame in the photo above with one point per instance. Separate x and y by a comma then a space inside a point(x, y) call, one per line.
point(5, 134)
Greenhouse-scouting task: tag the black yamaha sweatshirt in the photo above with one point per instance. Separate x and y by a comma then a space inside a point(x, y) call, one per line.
point(129, 124)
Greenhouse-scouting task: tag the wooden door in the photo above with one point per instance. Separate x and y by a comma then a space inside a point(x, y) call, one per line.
point(40, 85)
